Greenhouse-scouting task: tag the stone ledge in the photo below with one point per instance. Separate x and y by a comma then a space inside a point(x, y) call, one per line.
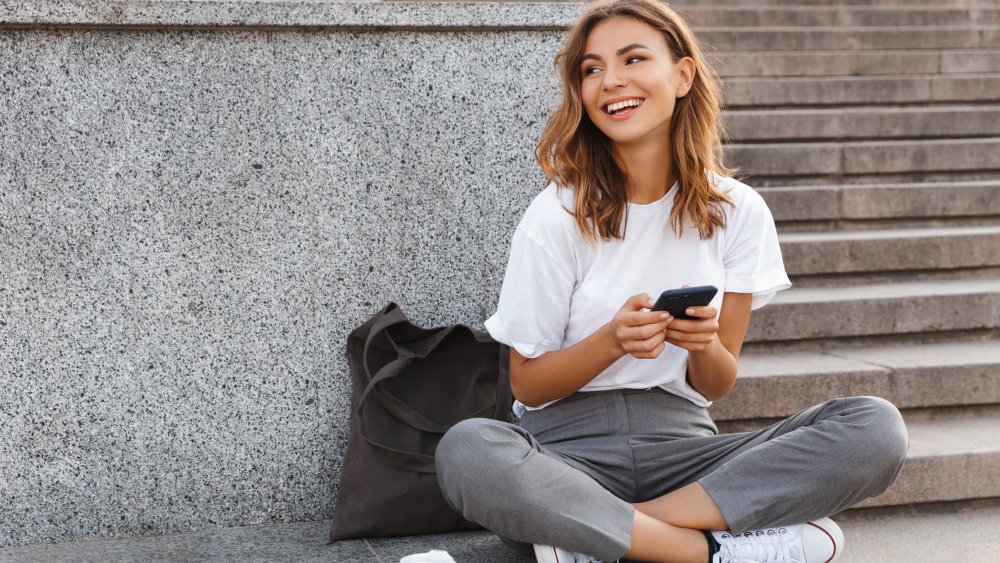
point(883, 201)
point(368, 15)
point(868, 310)
point(913, 376)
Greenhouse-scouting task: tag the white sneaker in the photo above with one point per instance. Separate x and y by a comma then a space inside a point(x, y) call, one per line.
point(549, 554)
point(821, 541)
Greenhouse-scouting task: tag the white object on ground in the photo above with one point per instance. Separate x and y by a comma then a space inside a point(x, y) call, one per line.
point(432, 556)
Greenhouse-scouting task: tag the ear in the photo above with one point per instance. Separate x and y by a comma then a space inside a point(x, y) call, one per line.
point(686, 70)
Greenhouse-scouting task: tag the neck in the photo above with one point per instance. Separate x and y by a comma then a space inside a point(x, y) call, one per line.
point(649, 169)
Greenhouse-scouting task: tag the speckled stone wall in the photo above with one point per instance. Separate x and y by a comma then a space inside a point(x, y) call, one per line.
point(191, 222)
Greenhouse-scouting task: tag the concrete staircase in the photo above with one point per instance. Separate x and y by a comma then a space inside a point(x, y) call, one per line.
point(872, 129)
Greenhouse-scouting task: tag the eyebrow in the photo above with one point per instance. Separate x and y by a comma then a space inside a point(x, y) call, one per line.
point(619, 52)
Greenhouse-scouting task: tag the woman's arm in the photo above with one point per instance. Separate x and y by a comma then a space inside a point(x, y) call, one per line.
point(558, 373)
point(713, 345)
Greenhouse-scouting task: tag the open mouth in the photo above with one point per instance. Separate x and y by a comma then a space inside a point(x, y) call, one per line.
point(623, 107)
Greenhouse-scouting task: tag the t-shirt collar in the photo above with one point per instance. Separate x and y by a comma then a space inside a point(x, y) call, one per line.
point(664, 202)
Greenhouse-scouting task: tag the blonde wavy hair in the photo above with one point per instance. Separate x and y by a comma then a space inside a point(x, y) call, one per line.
point(573, 152)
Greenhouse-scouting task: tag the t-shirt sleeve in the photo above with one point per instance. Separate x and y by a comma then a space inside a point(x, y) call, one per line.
point(752, 257)
point(534, 301)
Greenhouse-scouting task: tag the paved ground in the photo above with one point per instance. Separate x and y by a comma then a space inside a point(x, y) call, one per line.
point(966, 535)
point(291, 542)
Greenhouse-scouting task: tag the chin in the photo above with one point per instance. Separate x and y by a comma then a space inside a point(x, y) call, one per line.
point(624, 139)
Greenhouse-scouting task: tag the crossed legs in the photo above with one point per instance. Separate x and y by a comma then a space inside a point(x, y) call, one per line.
point(808, 466)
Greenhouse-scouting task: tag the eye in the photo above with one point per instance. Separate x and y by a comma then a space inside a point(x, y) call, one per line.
point(634, 58)
point(590, 70)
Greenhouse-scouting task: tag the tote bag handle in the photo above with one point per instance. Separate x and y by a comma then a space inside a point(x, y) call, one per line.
point(394, 316)
point(409, 460)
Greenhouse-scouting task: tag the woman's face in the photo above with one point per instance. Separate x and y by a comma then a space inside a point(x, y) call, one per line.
point(630, 81)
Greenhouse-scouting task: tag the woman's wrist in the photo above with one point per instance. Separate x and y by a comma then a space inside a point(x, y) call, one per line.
point(712, 370)
point(709, 349)
point(614, 346)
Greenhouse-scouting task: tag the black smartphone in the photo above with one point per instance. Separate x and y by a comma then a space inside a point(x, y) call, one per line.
point(676, 301)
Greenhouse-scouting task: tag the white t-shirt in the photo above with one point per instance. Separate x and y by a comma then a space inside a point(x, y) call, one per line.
point(558, 289)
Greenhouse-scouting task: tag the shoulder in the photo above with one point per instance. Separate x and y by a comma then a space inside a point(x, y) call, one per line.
point(743, 196)
point(550, 214)
point(747, 202)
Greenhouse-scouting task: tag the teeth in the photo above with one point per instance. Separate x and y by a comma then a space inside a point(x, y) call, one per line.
point(627, 103)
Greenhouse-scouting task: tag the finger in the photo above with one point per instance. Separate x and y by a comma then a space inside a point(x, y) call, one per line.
point(638, 302)
point(678, 337)
point(706, 312)
point(653, 354)
point(642, 332)
point(647, 347)
point(694, 325)
point(688, 345)
point(643, 318)
point(628, 336)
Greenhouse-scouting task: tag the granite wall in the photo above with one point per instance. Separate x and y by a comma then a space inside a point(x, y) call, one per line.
point(199, 200)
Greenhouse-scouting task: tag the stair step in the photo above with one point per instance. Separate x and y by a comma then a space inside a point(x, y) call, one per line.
point(777, 385)
point(938, 534)
point(860, 90)
point(850, 38)
point(886, 250)
point(949, 459)
point(863, 123)
point(887, 201)
point(838, 16)
point(836, 63)
point(864, 157)
point(868, 310)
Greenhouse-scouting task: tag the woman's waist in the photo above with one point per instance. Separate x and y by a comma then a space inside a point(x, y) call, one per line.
point(624, 412)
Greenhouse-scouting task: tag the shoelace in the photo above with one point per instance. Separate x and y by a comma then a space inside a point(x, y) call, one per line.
point(759, 547)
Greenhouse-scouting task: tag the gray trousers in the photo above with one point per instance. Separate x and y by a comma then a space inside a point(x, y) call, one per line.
point(566, 475)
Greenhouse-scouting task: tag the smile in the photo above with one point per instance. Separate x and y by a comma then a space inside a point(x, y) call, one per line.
point(623, 107)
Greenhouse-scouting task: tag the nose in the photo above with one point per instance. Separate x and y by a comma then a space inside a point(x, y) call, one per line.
point(613, 79)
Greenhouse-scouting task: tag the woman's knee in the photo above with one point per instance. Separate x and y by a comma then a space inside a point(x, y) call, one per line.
point(468, 454)
point(466, 441)
point(871, 444)
point(888, 423)
point(886, 439)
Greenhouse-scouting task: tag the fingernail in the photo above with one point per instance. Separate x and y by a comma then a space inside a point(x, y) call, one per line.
point(664, 316)
point(651, 302)
point(690, 312)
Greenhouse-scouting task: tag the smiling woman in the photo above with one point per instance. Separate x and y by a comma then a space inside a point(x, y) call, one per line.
point(635, 51)
point(614, 453)
point(616, 81)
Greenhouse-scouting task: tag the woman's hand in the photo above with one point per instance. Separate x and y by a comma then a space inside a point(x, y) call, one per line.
point(640, 332)
point(694, 335)
point(558, 373)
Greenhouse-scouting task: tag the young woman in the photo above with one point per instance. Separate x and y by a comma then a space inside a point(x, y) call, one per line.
point(614, 454)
